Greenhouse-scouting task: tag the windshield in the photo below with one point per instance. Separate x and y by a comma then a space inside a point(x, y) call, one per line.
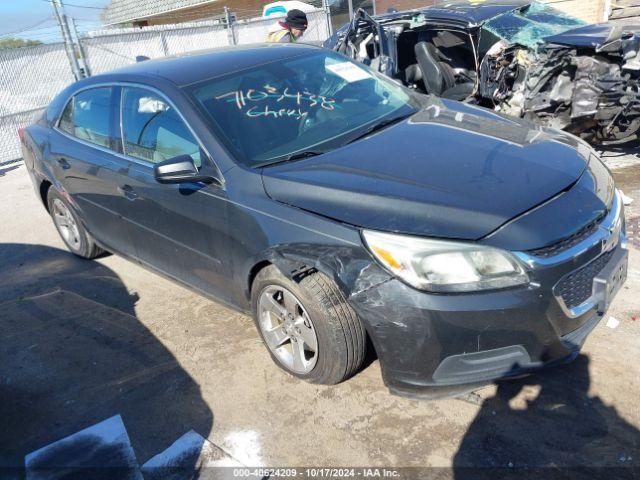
point(314, 102)
point(530, 25)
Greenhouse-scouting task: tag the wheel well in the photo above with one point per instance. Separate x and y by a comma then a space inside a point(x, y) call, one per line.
point(296, 274)
point(44, 190)
point(254, 272)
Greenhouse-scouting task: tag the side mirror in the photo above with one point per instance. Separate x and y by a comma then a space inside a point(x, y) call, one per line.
point(180, 169)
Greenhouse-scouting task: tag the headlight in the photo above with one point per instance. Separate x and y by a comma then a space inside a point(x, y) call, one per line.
point(445, 266)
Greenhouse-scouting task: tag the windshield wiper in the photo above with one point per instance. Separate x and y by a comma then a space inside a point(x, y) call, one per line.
point(292, 158)
point(314, 153)
point(378, 126)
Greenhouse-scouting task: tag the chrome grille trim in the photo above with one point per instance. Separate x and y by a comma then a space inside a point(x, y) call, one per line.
point(602, 235)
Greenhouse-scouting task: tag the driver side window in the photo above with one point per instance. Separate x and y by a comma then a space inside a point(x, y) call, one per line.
point(153, 131)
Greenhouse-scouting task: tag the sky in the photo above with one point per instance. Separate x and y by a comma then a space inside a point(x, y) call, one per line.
point(34, 19)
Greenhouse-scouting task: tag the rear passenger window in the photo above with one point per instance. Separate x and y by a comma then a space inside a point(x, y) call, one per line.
point(87, 115)
point(152, 130)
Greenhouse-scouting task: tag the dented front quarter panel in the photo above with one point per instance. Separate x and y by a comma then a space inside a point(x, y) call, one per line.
point(351, 267)
point(293, 240)
point(298, 243)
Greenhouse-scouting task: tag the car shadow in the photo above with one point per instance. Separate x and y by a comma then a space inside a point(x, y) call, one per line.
point(547, 425)
point(73, 353)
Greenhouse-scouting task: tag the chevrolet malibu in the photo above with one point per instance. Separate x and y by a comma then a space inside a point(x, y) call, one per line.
point(341, 210)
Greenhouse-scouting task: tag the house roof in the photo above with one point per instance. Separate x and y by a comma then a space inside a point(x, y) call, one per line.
point(123, 11)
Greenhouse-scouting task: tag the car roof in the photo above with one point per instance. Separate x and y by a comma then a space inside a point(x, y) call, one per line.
point(196, 66)
point(471, 12)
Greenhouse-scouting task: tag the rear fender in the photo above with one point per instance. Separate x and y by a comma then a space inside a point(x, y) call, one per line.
point(37, 145)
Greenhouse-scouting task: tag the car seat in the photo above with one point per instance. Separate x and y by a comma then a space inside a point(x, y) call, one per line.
point(438, 76)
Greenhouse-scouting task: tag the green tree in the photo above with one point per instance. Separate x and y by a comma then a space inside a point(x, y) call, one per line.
point(17, 43)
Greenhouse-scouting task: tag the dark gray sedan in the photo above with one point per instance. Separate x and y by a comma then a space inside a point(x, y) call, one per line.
point(338, 207)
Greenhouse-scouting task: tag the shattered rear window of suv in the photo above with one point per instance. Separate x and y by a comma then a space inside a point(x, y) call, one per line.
point(530, 25)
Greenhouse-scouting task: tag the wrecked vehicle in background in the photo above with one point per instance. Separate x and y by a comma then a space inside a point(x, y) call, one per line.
point(524, 59)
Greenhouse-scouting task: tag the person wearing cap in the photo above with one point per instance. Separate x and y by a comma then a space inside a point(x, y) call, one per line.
point(290, 29)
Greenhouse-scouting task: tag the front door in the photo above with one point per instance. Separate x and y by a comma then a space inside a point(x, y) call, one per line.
point(179, 229)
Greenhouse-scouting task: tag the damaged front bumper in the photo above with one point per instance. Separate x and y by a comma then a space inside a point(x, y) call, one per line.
point(434, 345)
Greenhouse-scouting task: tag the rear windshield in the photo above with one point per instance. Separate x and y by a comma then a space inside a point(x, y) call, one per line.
point(531, 24)
point(315, 102)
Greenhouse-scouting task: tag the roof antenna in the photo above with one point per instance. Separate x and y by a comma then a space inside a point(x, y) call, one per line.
point(141, 58)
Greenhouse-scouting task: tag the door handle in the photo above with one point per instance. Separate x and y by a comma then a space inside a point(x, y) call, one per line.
point(64, 164)
point(129, 192)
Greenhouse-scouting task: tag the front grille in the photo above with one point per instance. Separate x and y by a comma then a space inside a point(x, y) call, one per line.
point(567, 243)
point(576, 288)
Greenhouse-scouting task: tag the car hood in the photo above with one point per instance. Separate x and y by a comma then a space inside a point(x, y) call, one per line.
point(451, 170)
point(594, 36)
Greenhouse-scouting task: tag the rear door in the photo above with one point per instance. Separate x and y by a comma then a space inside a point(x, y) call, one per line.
point(179, 229)
point(85, 159)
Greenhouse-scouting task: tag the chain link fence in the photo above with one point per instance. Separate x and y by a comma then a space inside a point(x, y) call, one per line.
point(29, 79)
point(111, 49)
point(104, 52)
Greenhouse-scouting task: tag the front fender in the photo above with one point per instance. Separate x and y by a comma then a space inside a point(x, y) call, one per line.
point(351, 268)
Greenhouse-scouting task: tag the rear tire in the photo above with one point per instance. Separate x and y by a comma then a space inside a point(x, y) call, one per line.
point(70, 227)
point(291, 317)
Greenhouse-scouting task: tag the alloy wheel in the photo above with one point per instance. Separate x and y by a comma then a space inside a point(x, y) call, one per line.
point(66, 224)
point(287, 329)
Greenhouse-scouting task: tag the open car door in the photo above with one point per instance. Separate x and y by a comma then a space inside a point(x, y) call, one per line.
point(365, 41)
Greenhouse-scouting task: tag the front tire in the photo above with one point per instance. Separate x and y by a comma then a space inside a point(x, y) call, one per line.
point(70, 228)
point(308, 327)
